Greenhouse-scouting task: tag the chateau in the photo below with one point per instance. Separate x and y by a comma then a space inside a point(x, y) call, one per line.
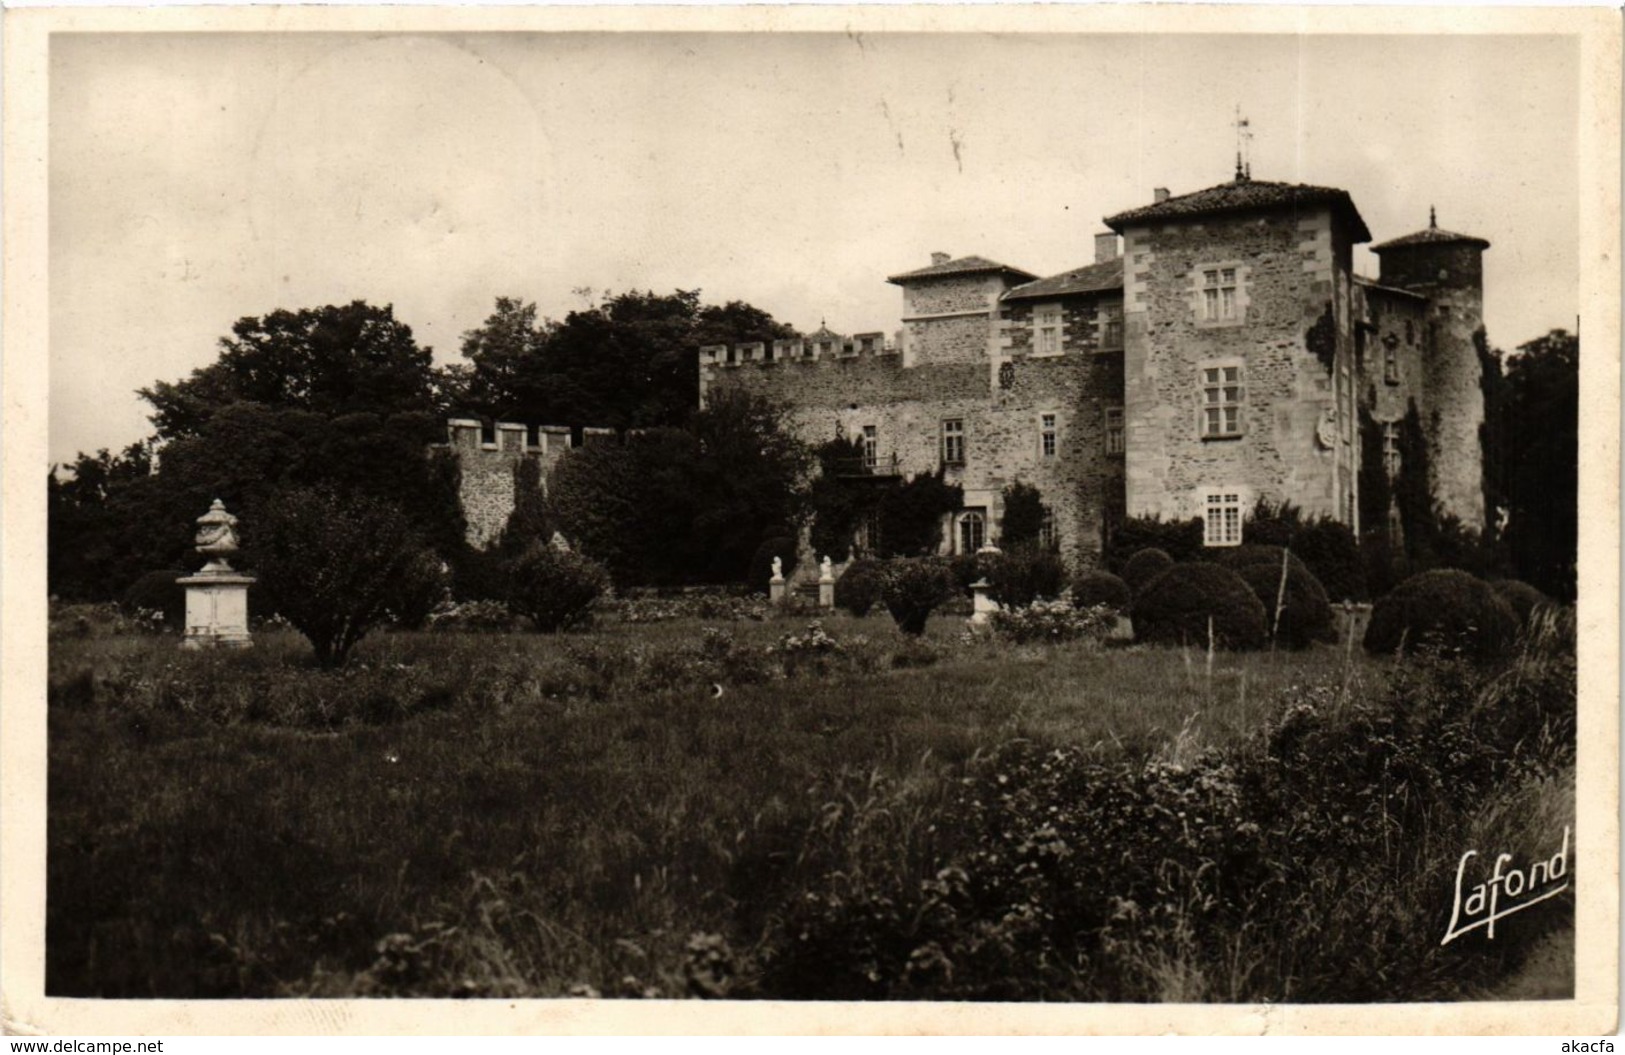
point(1219, 350)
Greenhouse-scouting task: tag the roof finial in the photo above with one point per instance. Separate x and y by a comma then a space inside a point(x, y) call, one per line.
point(1244, 147)
point(1433, 218)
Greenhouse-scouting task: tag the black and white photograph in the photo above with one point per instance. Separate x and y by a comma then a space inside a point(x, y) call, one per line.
point(1089, 509)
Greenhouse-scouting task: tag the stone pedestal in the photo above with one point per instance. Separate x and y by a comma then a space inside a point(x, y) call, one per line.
point(217, 596)
point(217, 610)
point(775, 589)
point(982, 604)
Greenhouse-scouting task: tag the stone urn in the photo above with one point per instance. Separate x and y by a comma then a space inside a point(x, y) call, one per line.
point(217, 596)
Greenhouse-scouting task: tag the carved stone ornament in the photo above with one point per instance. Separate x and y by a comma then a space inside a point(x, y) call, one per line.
point(217, 537)
point(1326, 431)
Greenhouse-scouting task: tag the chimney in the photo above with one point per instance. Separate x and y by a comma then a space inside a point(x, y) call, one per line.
point(939, 258)
point(1105, 247)
point(1160, 194)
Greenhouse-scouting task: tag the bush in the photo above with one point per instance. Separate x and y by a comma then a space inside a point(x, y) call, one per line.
point(1238, 557)
point(157, 591)
point(1051, 621)
point(858, 589)
point(761, 562)
point(1024, 576)
point(1306, 615)
point(481, 616)
point(1444, 609)
point(1176, 607)
point(1521, 597)
point(1096, 588)
point(1326, 546)
point(554, 588)
point(912, 588)
point(331, 563)
point(478, 574)
point(421, 591)
point(1144, 566)
point(1180, 539)
point(969, 568)
point(1024, 514)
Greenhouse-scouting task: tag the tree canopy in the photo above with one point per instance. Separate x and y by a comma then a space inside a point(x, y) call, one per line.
point(631, 361)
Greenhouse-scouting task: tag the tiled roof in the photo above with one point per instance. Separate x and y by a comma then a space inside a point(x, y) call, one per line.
point(965, 265)
point(1245, 195)
point(1092, 278)
point(1430, 236)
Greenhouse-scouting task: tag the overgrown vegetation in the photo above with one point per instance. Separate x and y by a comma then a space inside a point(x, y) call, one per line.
point(773, 809)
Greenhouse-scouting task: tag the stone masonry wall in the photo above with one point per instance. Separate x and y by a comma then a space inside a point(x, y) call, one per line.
point(1002, 436)
point(1291, 336)
point(965, 306)
point(486, 471)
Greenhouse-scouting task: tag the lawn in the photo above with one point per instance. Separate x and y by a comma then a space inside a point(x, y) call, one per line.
point(691, 808)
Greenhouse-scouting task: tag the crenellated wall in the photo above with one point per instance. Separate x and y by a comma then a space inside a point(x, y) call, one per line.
point(487, 468)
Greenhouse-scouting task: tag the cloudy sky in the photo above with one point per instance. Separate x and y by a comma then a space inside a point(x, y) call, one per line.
point(199, 178)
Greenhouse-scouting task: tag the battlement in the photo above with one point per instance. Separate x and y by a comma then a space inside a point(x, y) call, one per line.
point(490, 459)
point(469, 434)
point(822, 346)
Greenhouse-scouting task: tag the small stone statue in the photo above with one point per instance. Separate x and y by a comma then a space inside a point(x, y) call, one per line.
point(778, 567)
point(826, 570)
point(217, 537)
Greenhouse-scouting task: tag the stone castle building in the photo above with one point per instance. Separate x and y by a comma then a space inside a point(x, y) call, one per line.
point(1219, 350)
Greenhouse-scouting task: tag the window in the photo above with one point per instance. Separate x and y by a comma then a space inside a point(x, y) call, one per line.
point(1047, 538)
point(1222, 396)
point(1111, 328)
point(1007, 375)
point(1390, 363)
point(1047, 327)
point(871, 448)
point(1410, 332)
point(1219, 294)
point(1390, 449)
point(1046, 435)
point(1114, 430)
point(953, 442)
point(1221, 519)
point(972, 530)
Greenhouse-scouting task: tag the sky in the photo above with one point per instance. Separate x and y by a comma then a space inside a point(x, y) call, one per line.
point(198, 178)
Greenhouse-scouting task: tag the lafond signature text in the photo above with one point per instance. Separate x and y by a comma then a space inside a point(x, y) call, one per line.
point(1505, 891)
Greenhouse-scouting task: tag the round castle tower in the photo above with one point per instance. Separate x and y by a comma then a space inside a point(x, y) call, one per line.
point(1447, 268)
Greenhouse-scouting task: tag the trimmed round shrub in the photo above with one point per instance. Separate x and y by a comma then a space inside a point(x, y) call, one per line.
point(858, 589)
point(1144, 566)
point(1097, 587)
point(761, 562)
point(1443, 609)
point(1521, 597)
point(1026, 575)
point(555, 589)
point(912, 588)
point(157, 591)
point(1306, 615)
point(1177, 606)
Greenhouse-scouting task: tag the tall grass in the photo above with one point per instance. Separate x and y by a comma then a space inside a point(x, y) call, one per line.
point(654, 810)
